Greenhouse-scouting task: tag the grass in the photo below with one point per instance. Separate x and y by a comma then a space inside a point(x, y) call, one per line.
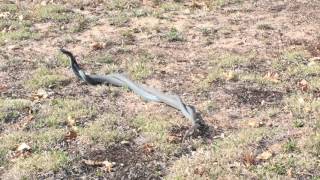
point(51, 12)
point(292, 123)
point(42, 162)
point(121, 5)
point(214, 74)
point(170, 6)
point(14, 30)
point(303, 106)
point(290, 146)
point(222, 68)
point(140, 67)
point(174, 35)
point(156, 128)
point(80, 24)
point(46, 78)
point(39, 141)
point(56, 111)
point(10, 109)
point(12, 8)
point(62, 60)
point(213, 162)
point(220, 3)
point(104, 131)
point(119, 19)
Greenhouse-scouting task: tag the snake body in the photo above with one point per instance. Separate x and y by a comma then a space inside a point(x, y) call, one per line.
point(148, 94)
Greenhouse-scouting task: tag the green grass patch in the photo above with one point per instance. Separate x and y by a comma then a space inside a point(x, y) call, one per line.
point(104, 130)
point(56, 111)
point(62, 60)
point(170, 6)
point(16, 31)
point(214, 74)
point(44, 139)
point(155, 128)
point(44, 78)
point(290, 146)
point(303, 106)
point(214, 161)
point(222, 66)
point(80, 23)
point(119, 19)
point(121, 5)
point(11, 108)
point(214, 4)
point(12, 8)
point(140, 67)
point(52, 12)
point(25, 168)
point(174, 35)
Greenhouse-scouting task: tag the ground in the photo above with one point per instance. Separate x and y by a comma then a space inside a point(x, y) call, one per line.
point(250, 67)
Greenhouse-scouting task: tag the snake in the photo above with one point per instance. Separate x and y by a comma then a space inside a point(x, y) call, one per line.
point(147, 93)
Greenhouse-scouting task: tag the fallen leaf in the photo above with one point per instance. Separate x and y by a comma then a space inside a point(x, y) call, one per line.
point(173, 139)
point(197, 5)
point(289, 172)
point(148, 148)
point(231, 76)
point(200, 170)
point(71, 135)
point(21, 17)
point(254, 123)
point(43, 3)
point(265, 155)
point(98, 46)
point(106, 165)
point(125, 142)
point(248, 159)
point(272, 76)
point(26, 120)
point(71, 121)
point(4, 15)
point(314, 59)
point(303, 85)
point(41, 93)
point(276, 148)
point(23, 147)
point(23, 150)
point(3, 88)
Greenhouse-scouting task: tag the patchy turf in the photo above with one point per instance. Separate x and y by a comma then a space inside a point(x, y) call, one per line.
point(250, 67)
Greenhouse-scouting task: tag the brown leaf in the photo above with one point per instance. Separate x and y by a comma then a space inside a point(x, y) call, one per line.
point(231, 76)
point(106, 165)
point(148, 148)
point(3, 87)
point(264, 156)
point(98, 46)
point(200, 170)
point(23, 150)
point(26, 120)
point(23, 147)
point(275, 148)
point(248, 159)
point(303, 85)
point(289, 172)
point(173, 139)
point(71, 135)
point(272, 76)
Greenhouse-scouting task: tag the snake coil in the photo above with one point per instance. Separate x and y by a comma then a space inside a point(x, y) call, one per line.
point(146, 93)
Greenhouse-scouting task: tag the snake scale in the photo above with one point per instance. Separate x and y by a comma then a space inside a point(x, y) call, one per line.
point(148, 94)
